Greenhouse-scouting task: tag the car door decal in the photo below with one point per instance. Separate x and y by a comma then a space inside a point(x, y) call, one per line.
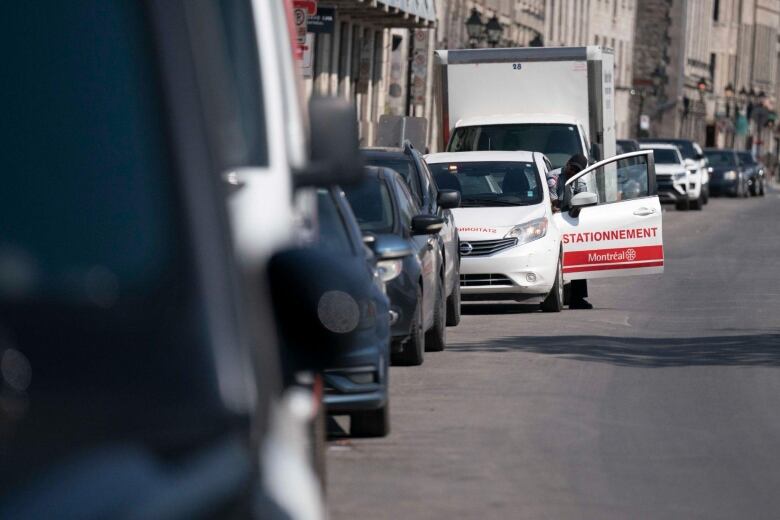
point(613, 258)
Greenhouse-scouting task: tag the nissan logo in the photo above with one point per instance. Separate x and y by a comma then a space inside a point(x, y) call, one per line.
point(466, 248)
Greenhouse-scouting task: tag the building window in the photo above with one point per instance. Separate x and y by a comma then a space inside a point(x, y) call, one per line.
point(716, 10)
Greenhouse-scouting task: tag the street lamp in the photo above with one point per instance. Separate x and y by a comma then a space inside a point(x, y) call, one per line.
point(493, 29)
point(474, 27)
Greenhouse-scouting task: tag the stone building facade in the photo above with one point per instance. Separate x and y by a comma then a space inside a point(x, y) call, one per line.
point(611, 24)
point(708, 70)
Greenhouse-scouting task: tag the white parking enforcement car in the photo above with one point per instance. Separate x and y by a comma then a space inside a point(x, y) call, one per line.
point(513, 246)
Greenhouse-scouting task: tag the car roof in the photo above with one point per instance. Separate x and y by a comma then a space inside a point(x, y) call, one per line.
point(508, 119)
point(658, 146)
point(383, 172)
point(665, 140)
point(485, 156)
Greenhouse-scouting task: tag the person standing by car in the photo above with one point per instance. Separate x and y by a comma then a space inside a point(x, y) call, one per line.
point(556, 182)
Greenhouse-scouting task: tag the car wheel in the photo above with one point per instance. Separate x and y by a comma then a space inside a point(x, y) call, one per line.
point(698, 203)
point(318, 444)
point(762, 189)
point(681, 206)
point(453, 305)
point(706, 195)
point(436, 338)
point(554, 300)
point(371, 423)
point(412, 352)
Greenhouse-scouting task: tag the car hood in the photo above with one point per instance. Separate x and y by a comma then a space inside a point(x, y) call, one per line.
point(669, 169)
point(492, 223)
point(723, 169)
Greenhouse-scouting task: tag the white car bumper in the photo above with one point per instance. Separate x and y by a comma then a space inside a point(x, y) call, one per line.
point(524, 270)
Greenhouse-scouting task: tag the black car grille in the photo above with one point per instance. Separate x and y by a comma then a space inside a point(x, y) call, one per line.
point(475, 280)
point(486, 247)
point(664, 183)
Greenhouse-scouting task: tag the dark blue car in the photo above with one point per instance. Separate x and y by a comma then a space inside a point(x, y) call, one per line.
point(356, 380)
point(383, 204)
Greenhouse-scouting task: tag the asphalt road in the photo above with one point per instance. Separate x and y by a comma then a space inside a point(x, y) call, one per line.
point(662, 402)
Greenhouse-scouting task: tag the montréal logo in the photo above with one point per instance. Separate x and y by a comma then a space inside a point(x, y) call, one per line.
point(630, 255)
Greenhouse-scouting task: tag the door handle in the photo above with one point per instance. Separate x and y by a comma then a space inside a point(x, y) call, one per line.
point(643, 212)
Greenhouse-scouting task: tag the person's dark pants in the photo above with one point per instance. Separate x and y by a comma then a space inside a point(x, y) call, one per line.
point(578, 290)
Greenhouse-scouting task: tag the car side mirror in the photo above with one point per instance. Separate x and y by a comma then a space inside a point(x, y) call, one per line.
point(333, 140)
point(448, 199)
point(390, 247)
point(318, 301)
point(426, 224)
point(582, 200)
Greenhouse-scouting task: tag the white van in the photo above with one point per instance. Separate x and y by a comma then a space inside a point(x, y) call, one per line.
point(514, 246)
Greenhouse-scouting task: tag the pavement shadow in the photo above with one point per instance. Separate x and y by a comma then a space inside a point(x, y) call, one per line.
point(739, 350)
point(485, 309)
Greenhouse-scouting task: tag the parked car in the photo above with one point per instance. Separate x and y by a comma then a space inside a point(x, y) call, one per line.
point(411, 165)
point(515, 247)
point(356, 380)
point(754, 172)
point(148, 358)
point(696, 162)
point(673, 176)
point(726, 174)
point(383, 204)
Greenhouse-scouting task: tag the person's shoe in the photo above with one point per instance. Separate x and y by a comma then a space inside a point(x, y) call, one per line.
point(580, 304)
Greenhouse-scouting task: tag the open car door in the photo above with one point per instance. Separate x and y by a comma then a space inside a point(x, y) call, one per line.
point(610, 221)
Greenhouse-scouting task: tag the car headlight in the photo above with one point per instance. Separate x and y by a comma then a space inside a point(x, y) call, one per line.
point(389, 269)
point(730, 175)
point(529, 231)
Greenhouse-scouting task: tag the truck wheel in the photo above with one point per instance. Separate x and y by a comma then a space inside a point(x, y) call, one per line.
point(371, 423)
point(414, 349)
point(554, 300)
point(453, 306)
point(436, 338)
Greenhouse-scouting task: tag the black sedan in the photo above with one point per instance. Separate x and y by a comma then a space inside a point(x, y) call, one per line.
point(726, 174)
point(410, 163)
point(384, 204)
point(754, 172)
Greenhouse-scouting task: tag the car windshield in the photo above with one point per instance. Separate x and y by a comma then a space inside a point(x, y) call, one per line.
point(490, 183)
point(403, 166)
point(746, 158)
point(665, 156)
point(557, 141)
point(720, 158)
point(371, 204)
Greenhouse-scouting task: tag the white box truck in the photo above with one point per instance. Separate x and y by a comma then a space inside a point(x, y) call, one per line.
point(554, 100)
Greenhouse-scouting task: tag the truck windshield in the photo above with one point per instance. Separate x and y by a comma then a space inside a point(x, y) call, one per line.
point(490, 183)
point(665, 156)
point(558, 142)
